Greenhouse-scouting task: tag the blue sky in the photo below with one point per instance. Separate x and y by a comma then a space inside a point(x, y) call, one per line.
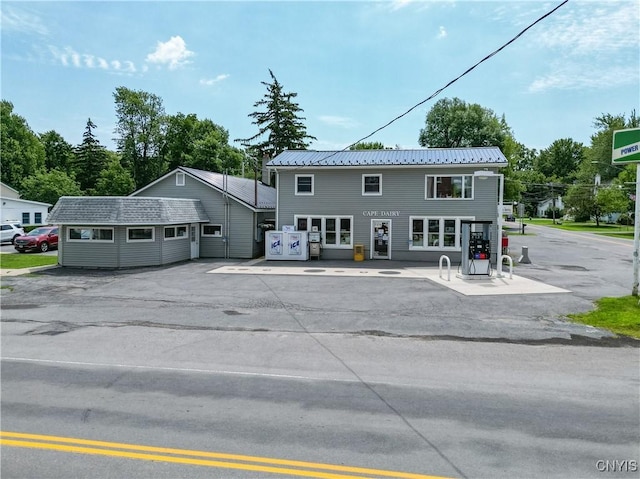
point(355, 65)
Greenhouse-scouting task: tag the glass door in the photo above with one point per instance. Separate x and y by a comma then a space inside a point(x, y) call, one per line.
point(380, 239)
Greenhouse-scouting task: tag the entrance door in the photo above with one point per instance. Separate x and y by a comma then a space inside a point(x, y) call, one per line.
point(194, 237)
point(380, 239)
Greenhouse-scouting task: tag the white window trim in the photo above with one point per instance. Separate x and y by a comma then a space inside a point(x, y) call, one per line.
point(180, 178)
point(305, 193)
point(214, 235)
point(89, 240)
point(425, 232)
point(368, 193)
point(153, 234)
point(323, 229)
point(175, 228)
point(465, 178)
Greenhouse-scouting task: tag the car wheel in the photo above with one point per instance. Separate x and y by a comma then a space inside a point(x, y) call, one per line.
point(44, 246)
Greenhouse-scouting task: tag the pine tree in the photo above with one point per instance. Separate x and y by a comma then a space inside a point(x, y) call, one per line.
point(280, 127)
point(91, 158)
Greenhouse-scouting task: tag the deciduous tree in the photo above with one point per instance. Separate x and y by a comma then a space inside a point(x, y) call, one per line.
point(48, 187)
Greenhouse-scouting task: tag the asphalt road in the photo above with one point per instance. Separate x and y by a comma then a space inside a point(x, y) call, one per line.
point(381, 373)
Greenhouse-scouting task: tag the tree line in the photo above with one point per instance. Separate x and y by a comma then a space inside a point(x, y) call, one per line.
point(150, 142)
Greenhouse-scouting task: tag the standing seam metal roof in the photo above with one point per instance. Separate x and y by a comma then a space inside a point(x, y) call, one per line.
point(490, 155)
point(243, 189)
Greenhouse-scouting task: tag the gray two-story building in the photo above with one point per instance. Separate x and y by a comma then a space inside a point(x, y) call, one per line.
point(398, 204)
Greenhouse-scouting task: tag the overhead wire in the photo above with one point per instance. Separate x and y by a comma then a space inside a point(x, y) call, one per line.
point(440, 90)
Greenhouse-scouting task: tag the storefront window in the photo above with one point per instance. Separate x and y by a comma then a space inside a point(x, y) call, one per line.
point(441, 233)
point(336, 231)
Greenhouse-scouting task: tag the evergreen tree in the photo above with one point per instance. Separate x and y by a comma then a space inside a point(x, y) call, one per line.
point(279, 126)
point(91, 158)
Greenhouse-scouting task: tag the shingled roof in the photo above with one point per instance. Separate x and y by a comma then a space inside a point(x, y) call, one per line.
point(480, 156)
point(126, 210)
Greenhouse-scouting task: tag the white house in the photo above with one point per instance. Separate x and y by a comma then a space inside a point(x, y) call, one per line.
point(17, 210)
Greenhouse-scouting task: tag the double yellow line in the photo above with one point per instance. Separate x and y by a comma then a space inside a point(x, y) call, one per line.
point(198, 458)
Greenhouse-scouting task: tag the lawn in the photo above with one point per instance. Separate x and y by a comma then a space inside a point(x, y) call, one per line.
point(618, 315)
point(616, 231)
point(19, 261)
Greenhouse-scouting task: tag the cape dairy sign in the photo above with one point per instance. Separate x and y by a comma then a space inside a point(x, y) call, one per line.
point(626, 146)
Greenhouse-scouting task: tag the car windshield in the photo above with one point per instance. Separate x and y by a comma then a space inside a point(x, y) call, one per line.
point(39, 231)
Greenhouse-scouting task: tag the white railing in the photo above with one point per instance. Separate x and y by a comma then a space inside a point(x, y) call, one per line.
point(510, 264)
point(444, 256)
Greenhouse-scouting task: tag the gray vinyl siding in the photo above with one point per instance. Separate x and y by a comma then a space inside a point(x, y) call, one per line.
point(120, 253)
point(339, 192)
point(87, 254)
point(241, 221)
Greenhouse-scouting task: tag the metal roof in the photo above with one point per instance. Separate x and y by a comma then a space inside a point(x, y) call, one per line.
point(490, 155)
point(126, 210)
point(242, 189)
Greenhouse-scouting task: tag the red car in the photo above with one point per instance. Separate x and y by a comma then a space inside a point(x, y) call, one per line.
point(40, 239)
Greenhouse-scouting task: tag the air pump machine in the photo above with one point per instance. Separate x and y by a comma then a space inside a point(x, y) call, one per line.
point(476, 249)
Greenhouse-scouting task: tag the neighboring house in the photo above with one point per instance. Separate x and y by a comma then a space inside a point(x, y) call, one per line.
point(121, 232)
point(544, 205)
point(398, 204)
point(238, 209)
point(185, 214)
point(17, 210)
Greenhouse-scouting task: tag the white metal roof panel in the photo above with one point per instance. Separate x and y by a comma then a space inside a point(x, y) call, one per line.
point(418, 157)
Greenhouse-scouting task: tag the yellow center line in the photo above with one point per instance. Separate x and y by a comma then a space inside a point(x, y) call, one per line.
point(250, 463)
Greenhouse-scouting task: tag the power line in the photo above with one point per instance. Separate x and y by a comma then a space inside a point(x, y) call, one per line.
point(437, 92)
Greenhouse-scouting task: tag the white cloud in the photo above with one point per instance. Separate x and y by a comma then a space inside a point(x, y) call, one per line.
point(173, 53)
point(442, 33)
point(213, 81)
point(68, 57)
point(339, 121)
point(572, 77)
point(20, 20)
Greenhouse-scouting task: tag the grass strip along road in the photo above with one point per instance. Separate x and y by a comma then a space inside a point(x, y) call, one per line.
point(197, 458)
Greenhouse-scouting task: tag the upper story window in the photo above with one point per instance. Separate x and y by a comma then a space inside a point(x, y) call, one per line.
point(449, 187)
point(372, 185)
point(304, 184)
point(179, 178)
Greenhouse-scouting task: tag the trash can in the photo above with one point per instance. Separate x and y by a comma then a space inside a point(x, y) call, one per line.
point(505, 243)
point(358, 252)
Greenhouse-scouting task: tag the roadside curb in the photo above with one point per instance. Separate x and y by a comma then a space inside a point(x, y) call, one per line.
point(21, 271)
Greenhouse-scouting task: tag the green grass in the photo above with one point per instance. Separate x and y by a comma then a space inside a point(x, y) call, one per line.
point(19, 261)
point(618, 315)
point(616, 231)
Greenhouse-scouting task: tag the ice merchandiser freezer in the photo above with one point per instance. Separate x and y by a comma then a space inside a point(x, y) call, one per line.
point(287, 246)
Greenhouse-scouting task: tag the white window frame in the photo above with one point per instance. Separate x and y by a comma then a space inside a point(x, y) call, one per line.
point(90, 239)
point(323, 229)
point(441, 232)
point(142, 240)
point(466, 178)
point(305, 193)
point(180, 178)
point(217, 235)
point(175, 232)
point(372, 193)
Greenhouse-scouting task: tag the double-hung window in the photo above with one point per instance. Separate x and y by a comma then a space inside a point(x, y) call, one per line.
point(449, 187)
point(371, 185)
point(304, 185)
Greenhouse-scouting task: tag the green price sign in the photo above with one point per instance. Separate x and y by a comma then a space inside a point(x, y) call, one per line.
point(626, 146)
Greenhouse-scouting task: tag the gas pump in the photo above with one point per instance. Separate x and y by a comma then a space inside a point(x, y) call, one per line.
point(476, 250)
